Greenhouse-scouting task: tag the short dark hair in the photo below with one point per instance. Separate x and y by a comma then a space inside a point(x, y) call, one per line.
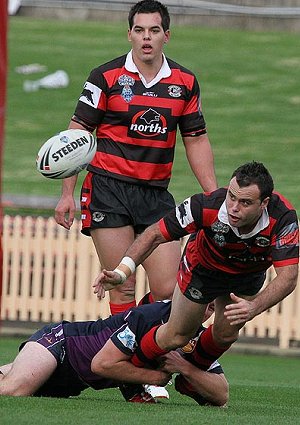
point(255, 173)
point(150, 6)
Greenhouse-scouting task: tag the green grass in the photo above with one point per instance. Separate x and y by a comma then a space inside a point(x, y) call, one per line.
point(250, 94)
point(264, 390)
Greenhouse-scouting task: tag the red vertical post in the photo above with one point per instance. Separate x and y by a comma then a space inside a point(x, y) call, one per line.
point(3, 74)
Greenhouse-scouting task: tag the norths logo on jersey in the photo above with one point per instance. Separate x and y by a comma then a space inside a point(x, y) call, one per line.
point(149, 123)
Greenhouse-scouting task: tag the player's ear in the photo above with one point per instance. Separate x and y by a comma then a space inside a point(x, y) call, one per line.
point(167, 36)
point(265, 202)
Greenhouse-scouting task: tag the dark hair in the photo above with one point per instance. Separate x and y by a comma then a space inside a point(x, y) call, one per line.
point(150, 6)
point(255, 173)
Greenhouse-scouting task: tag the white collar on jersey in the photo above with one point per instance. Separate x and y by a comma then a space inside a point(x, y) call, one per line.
point(164, 71)
point(262, 223)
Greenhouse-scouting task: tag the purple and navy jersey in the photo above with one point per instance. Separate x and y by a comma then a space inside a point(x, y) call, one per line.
point(83, 340)
point(136, 126)
point(214, 245)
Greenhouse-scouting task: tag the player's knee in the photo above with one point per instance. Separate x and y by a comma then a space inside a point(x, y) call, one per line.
point(162, 290)
point(176, 341)
point(223, 397)
point(224, 340)
point(163, 293)
point(124, 293)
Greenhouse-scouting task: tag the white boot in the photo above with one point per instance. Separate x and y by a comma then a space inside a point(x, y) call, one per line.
point(157, 392)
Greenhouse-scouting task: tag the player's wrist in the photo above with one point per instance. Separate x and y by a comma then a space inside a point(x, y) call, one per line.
point(129, 263)
point(127, 266)
point(125, 269)
point(122, 275)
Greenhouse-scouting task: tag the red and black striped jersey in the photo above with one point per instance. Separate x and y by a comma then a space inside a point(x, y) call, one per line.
point(136, 126)
point(215, 245)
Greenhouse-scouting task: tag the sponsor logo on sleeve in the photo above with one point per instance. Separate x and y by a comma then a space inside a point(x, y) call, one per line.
point(289, 236)
point(90, 95)
point(184, 213)
point(127, 338)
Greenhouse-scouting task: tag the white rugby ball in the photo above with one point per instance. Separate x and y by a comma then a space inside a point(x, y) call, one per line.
point(66, 154)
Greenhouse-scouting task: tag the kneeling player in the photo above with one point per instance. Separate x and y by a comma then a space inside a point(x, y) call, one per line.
point(63, 359)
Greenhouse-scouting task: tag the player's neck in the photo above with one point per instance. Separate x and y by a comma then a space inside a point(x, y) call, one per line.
point(150, 69)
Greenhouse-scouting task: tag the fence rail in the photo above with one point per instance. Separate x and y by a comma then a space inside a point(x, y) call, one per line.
point(48, 272)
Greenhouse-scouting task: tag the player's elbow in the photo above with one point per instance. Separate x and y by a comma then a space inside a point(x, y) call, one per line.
point(294, 278)
point(220, 395)
point(14, 390)
point(102, 368)
point(220, 398)
point(290, 276)
point(223, 397)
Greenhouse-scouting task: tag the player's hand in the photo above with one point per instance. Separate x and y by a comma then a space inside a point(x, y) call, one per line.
point(241, 311)
point(65, 212)
point(106, 281)
point(165, 379)
point(172, 362)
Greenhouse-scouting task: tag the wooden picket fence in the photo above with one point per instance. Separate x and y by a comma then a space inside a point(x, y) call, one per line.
point(48, 274)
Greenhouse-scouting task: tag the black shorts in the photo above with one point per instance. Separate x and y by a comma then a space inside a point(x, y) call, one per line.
point(107, 202)
point(203, 286)
point(64, 382)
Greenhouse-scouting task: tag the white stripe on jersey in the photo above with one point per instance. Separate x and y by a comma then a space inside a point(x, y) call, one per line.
point(213, 365)
point(186, 263)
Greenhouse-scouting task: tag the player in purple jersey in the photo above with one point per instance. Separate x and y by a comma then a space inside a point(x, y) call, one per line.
point(237, 233)
point(63, 359)
point(135, 104)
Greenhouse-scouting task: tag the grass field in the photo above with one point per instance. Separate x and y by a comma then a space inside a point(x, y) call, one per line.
point(263, 390)
point(250, 92)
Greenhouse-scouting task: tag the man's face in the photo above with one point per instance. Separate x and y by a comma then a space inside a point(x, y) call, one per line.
point(244, 206)
point(147, 37)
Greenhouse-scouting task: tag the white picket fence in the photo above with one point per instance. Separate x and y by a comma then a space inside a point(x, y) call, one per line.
point(48, 274)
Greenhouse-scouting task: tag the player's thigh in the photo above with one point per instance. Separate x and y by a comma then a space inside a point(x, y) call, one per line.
point(31, 368)
point(185, 319)
point(161, 268)
point(111, 244)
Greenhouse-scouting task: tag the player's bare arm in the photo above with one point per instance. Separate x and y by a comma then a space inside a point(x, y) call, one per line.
point(212, 386)
point(145, 244)
point(111, 363)
point(200, 156)
point(66, 207)
point(281, 286)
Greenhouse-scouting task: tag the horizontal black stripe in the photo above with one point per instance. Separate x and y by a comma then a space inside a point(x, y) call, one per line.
point(140, 154)
point(160, 184)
